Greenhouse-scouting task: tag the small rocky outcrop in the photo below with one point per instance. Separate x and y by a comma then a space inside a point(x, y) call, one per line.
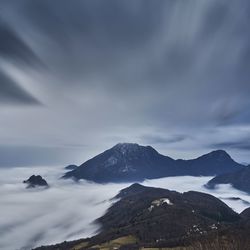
point(36, 181)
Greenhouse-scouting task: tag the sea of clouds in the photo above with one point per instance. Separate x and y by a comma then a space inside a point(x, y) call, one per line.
point(67, 210)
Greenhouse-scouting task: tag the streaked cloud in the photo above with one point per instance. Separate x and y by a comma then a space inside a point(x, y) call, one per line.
point(131, 70)
point(11, 93)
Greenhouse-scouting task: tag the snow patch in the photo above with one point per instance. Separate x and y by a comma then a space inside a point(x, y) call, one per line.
point(111, 161)
point(159, 202)
point(128, 168)
point(166, 200)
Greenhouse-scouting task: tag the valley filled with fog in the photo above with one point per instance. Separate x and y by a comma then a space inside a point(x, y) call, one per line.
point(67, 210)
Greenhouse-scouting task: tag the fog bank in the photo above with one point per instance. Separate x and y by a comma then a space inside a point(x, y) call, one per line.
point(66, 211)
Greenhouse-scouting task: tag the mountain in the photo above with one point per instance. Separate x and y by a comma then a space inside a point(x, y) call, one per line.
point(239, 180)
point(154, 218)
point(36, 180)
point(213, 163)
point(125, 162)
point(128, 162)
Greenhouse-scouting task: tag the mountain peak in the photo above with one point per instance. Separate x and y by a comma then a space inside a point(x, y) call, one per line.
point(132, 189)
point(131, 148)
point(219, 151)
point(220, 154)
point(126, 146)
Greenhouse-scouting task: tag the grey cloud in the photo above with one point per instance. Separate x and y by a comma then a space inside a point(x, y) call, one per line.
point(119, 22)
point(11, 93)
point(32, 155)
point(13, 48)
point(153, 139)
point(123, 69)
point(243, 144)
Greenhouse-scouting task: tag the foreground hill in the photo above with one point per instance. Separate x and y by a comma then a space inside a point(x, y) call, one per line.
point(132, 162)
point(154, 218)
point(239, 180)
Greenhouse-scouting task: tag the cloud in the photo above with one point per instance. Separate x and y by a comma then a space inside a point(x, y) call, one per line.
point(243, 144)
point(13, 48)
point(15, 51)
point(161, 139)
point(16, 155)
point(12, 93)
point(159, 58)
point(66, 210)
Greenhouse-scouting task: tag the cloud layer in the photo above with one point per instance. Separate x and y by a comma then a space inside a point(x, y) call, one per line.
point(66, 210)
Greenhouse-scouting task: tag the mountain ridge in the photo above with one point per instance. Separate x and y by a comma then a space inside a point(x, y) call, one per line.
point(131, 162)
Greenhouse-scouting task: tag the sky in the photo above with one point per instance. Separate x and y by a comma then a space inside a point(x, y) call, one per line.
point(77, 77)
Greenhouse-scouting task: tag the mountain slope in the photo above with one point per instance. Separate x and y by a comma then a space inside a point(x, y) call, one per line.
point(155, 213)
point(131, 162)
point(146, 217)
point(239, 180)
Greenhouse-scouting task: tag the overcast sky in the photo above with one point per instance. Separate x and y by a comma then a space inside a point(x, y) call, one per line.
point(77, 77)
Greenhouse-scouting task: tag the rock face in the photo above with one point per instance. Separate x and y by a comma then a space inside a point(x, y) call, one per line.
point(155, 218)
point(132, 162)
point(246, 213)
point(35, 181)
point(239, 180)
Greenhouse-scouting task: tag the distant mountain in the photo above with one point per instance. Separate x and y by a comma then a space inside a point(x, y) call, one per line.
point(132, 162)
point(36, 180)
point(239, 180)
point(155, 218)
point(213, 163)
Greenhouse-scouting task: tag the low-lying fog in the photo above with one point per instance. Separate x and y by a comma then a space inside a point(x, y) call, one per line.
point(66, 211)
